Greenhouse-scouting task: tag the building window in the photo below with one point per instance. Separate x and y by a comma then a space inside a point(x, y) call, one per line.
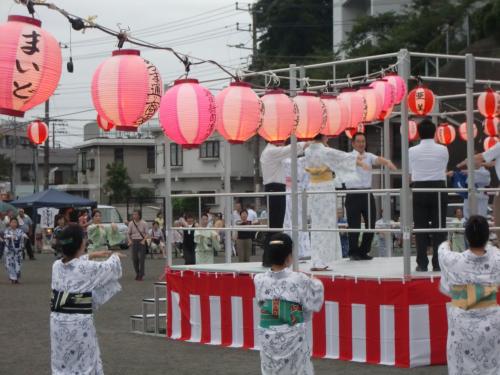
point(83, 166)
point(175, 155)
point(119, 155)
point(209, 150)
point(25, 173)
point(9, 141)
point(150, 158)
point(207, 201)
point(164, 156)
point(58, 177)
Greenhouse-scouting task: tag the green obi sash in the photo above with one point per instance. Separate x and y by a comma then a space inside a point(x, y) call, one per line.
point(274, 312)
point(474, 296)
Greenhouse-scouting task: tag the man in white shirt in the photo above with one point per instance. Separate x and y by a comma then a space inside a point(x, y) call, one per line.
point(252, 215)
point(428, 162)
point(274, 181)
point(357, 204)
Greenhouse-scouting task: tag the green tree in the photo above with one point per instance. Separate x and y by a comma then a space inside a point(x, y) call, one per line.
point(118, 183)
point(143, 195)
point(5, 167)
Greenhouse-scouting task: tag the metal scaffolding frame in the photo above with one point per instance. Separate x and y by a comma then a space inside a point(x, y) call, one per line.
point(403, 65)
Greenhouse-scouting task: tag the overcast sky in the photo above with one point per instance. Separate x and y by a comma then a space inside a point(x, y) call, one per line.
point(202, 28)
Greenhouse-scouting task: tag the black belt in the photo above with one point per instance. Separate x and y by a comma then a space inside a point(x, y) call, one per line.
point(71, 303)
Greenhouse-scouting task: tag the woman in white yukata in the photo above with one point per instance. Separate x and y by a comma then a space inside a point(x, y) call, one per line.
point(287, 300)
point(79, 286)
point(14, 247)
point(320, 163)
point(471, 280)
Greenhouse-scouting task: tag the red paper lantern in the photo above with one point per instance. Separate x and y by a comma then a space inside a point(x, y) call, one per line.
point(399, 86)
point(355, 103)
point(38, 132)
point(30, 65)
point(462, 131)
point(489, 142)
point(445, 134)
point(280, 117)
point(337, 116)
point(421, 100)
point(490, 126)
point(312, 116)
point(373, 104)
point(104, 124)
point(386, 92)
point(488, 103)
point(351, 131)
point(239, 112)
point(412, 130)
point(126, 89)
point(187, 113)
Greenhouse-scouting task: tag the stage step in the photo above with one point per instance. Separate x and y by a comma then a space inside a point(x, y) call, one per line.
point(141, 323)
point(152, 300)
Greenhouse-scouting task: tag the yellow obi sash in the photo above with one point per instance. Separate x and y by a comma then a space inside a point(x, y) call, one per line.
point(474, 296)
point(318, 175)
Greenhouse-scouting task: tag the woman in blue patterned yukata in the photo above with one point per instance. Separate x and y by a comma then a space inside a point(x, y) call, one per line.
point(79, 286)
point(14, 238)
point(287, 300)
point(471, 280)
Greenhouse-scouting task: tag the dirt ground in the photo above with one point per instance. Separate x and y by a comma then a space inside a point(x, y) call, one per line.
point(25, 343)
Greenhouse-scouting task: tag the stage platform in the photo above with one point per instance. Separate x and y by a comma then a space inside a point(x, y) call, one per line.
point(371, 313)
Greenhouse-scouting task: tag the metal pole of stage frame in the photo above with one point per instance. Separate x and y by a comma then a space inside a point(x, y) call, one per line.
point(386, 200)
point(168, 201)
point(228, 248)
point(406, 220)
point(295, 197)
point(470, 77)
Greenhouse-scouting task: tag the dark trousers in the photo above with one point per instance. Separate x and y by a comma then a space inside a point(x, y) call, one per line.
point(426, 215)
point(189, 254)
point(357, 206)
point(138, 257)
point(276, 212)
point(29, 248)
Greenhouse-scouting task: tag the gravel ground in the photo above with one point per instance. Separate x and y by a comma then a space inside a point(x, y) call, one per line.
point(25, 343)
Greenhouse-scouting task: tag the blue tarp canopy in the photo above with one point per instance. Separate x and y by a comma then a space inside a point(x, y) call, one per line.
point(53, 198)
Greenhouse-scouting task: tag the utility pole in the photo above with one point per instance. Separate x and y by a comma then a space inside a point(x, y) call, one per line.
point(13, 162)
point(46, 147)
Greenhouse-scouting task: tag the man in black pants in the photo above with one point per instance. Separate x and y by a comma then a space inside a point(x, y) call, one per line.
point(188, 241)
point(357, 204)
point(428, 162)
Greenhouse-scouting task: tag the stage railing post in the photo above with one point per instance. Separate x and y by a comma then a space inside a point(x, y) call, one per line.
point(404, 66)
point(168, 202)
point(386, 200)
point(227, 201)
point(470, 77)
point(295, 197)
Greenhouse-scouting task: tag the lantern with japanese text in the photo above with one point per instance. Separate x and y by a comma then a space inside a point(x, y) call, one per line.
point(421, 100)
point(490, 126)
point(280, 117)
point(188, 113)
point(349, 132)
point(373, 103)
point(387, 94)
point(126, 89)
point(239, 112)
point(312, 115)
point(445, 134)
point(30, 65)
point(488, 103)
point(489, 142)
point(337, 116)
point(412, 130)
point(462, 130)
point(356, 105)
point(38, 132)
point(399, 86)
point(104, 124)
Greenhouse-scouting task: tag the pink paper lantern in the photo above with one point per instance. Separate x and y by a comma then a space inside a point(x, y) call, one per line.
point(462, 131)
point(187, 113)
point(126, 89)
point(490, 126)
point(337, 116)
point(489, 142)
point(280, 117)
point(349, 132)
point(412, 131)
point(104, 124)
point(386, 92)
point(30, 65)
point(488, 103)
point(355, 103)
point(38, 132)
point(445, 134)
point(373, 103)
point(399, 86)
point(421, 100)
point(312, 116)
point(239, 112)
